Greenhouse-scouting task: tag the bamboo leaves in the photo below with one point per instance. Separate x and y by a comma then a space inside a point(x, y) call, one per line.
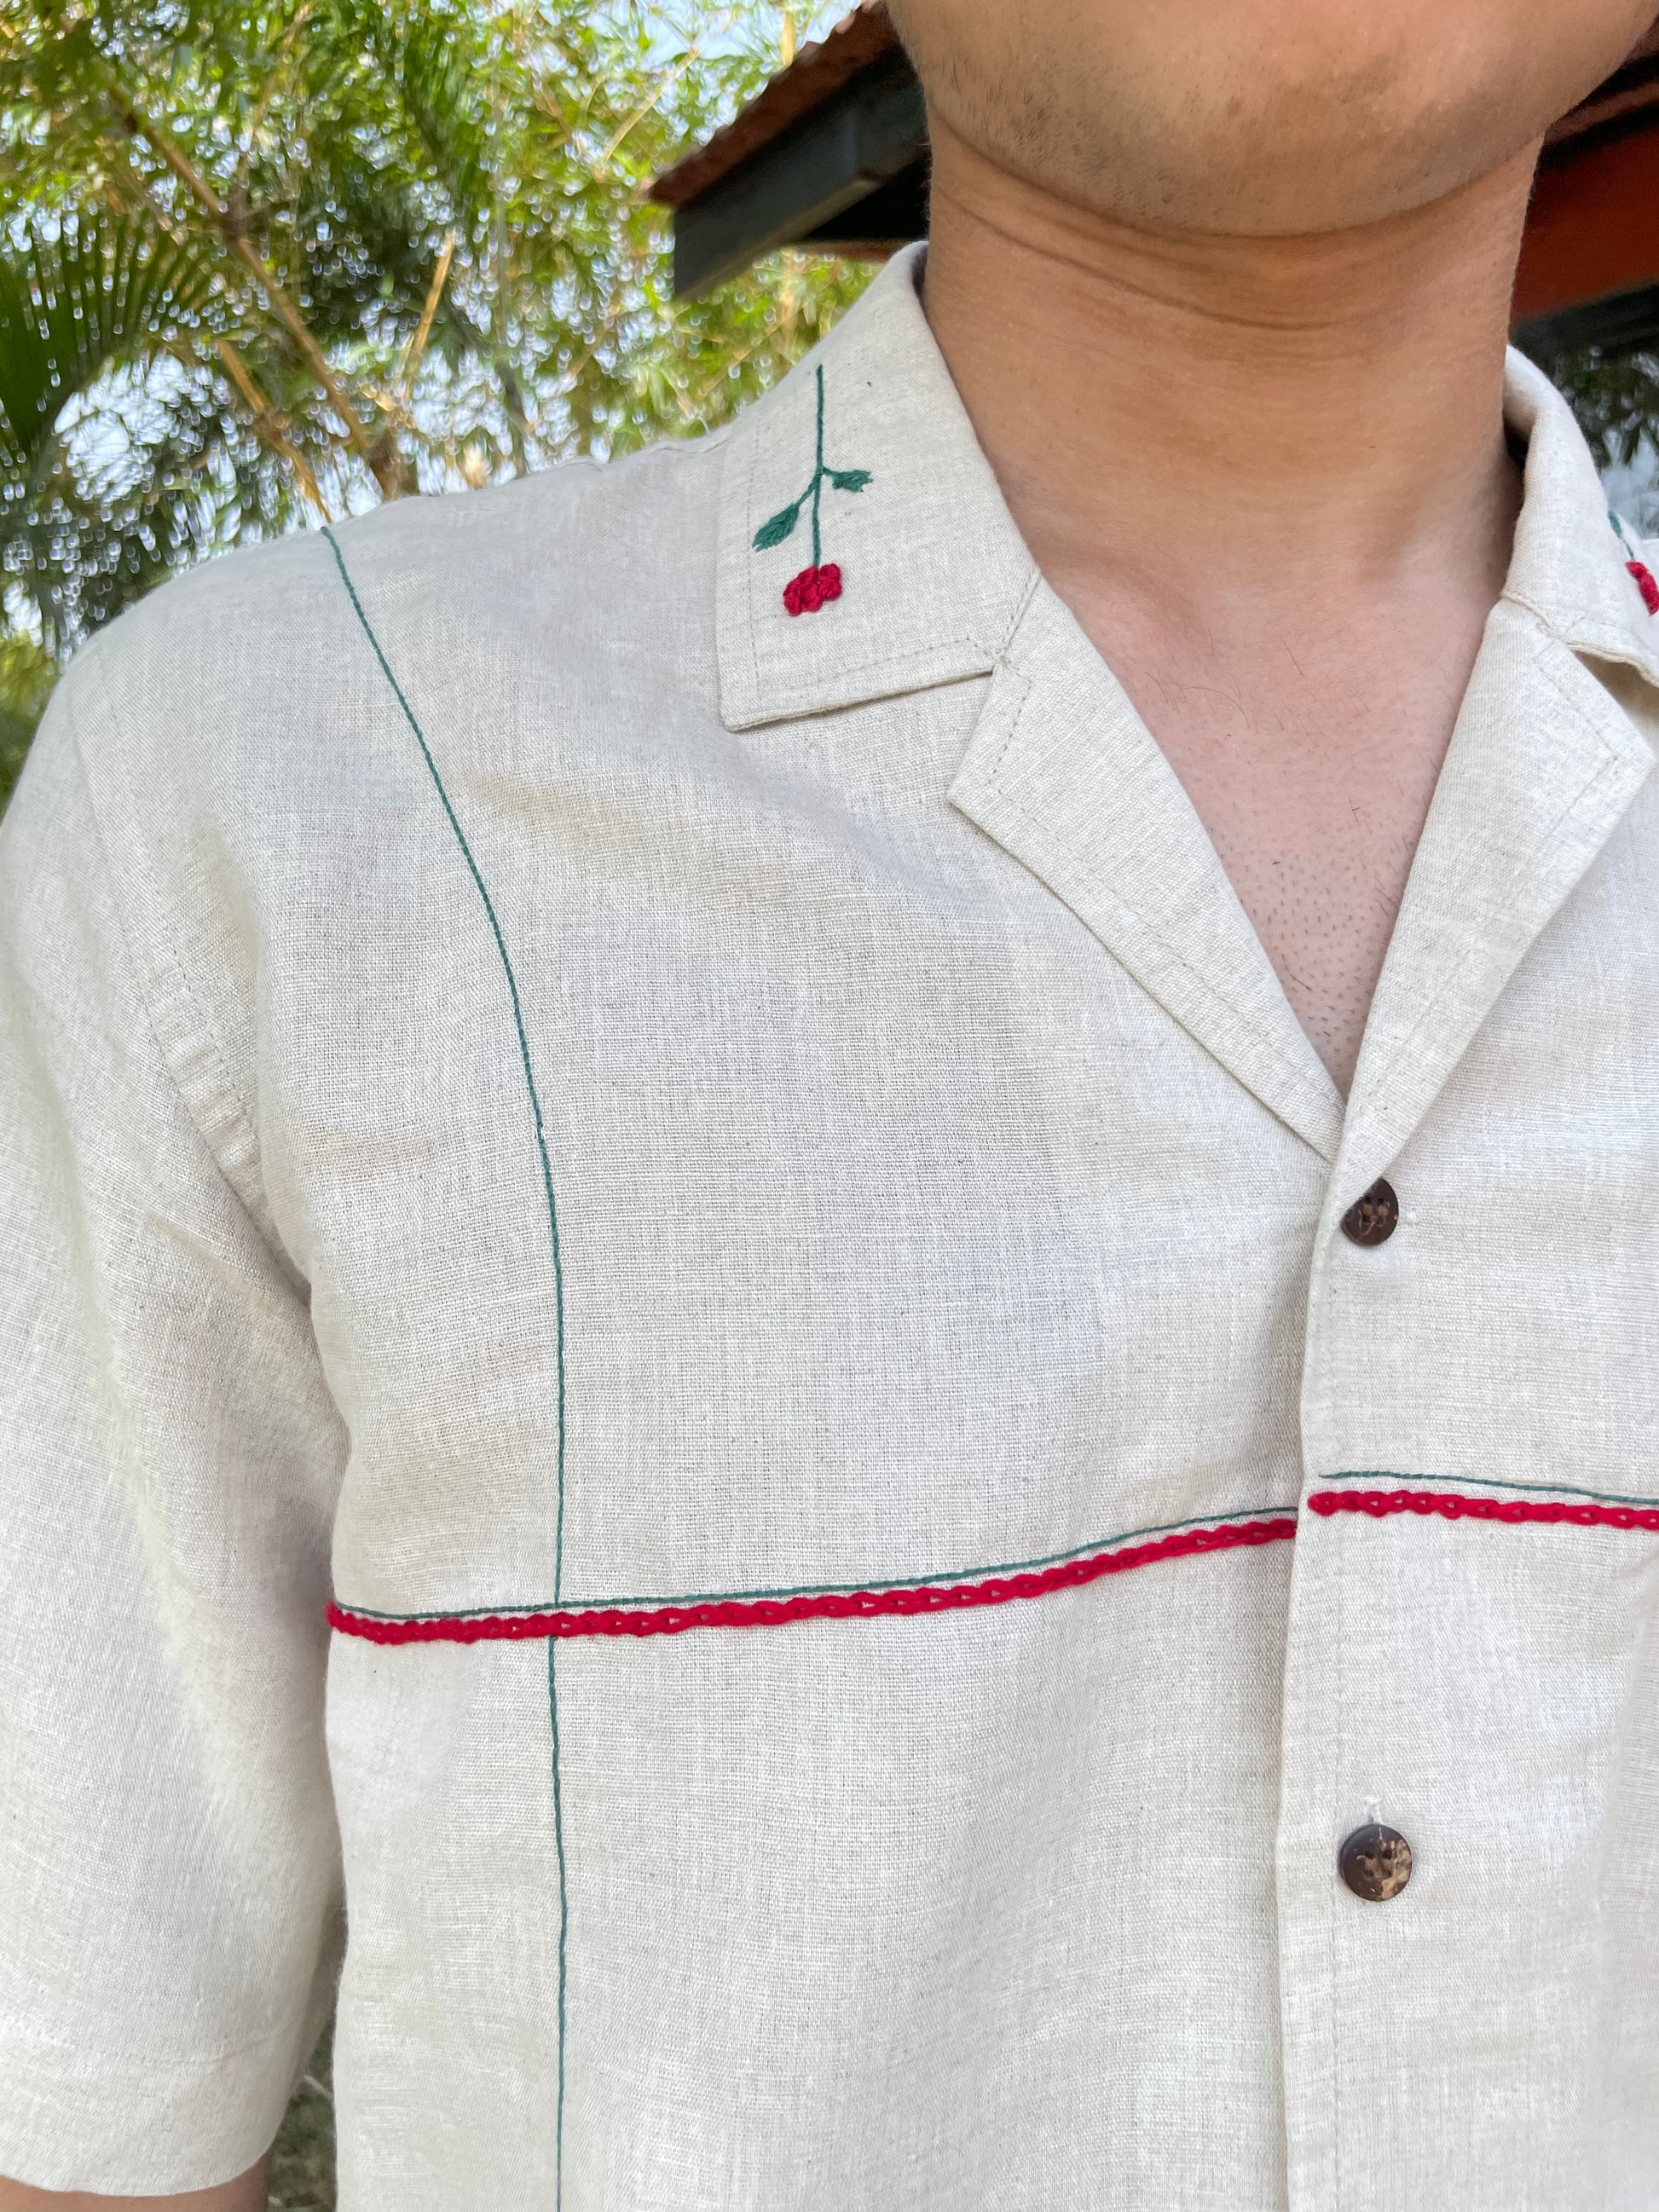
point(266, 260)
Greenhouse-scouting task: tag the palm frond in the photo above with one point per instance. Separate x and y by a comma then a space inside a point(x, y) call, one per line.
point(81, 294)
point(150, 472)
point(434, 65)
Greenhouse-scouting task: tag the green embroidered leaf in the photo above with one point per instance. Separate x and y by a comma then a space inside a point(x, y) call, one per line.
point(774, 531)
point(849, 479)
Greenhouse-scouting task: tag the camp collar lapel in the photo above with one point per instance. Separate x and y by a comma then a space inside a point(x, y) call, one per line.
point(931, 569)
point(1542, 766)
point(937, 585)
point(1062, 771)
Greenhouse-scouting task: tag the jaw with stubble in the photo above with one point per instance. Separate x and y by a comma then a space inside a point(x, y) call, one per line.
point(1264, 117)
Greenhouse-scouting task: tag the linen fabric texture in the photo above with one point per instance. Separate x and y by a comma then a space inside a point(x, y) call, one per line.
point(692, 1103)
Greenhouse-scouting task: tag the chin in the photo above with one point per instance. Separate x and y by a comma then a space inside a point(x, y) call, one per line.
point(1266, 117)
point(1260, 183)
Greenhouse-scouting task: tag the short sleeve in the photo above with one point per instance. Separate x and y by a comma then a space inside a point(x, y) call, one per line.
point(169, 1459)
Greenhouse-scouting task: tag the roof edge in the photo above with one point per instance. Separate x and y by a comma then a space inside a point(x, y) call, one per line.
point(817, 72)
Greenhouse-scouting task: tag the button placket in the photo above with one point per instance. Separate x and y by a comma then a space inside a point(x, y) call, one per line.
point(1328, 1864)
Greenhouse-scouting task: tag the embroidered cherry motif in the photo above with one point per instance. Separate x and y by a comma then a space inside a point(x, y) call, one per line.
point(1639, 570)
point(805, 594)
point(817, 585)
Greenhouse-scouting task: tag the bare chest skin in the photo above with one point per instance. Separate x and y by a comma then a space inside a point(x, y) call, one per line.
point(1308, 739)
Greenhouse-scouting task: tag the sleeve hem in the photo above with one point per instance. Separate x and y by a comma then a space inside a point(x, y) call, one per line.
point(144, 2127)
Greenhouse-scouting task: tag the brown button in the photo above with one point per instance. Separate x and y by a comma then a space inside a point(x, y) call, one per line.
point(1374, 1216)
point(1375, 1863)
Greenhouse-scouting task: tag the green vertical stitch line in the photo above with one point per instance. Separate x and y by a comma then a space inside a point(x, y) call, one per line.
point(818, 480)
point(558, 1304)
point(518, 1023)
point(564, 1915)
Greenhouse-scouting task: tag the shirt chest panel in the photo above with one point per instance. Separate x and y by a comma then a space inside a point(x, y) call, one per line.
point(899, 1231)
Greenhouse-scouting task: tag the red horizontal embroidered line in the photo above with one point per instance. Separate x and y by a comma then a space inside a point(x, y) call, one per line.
point(1452, 1505)
point(826, 1605)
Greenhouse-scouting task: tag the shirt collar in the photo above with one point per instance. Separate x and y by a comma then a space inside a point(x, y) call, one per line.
point(932, 569)
point(1568, 567)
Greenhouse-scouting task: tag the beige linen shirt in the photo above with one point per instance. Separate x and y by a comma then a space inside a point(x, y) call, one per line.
point(732, 1189)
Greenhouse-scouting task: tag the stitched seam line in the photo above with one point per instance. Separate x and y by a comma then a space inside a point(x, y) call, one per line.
point(1592, 635)
point(1307, 1089)
point(985, 1586)
point(205, 2063)
point(1523, 868)
point(1486, 1482)
point(1098, 883)
point(828, 1605)
point(871, 1587)
point(558, 1304)
point(827, 694)
point(1457, 1505)
point(518, 1023)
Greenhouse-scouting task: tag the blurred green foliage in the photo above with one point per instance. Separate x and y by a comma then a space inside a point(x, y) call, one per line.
point(1616, 397)
point(27, 674)
point(263, 261)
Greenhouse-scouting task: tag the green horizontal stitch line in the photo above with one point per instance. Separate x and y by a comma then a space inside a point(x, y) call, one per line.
point(843, 1589)
point(1478, 1482)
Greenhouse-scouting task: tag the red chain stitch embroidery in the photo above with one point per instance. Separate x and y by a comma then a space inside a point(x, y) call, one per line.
point(822, 1605)
point(1453, 1505)
point(941, 1597)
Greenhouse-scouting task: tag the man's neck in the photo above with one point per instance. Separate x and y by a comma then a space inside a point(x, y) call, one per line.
point(1311, 407)
point(1269, 477)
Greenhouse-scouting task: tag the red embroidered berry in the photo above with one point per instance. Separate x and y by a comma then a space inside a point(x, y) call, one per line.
point(1648, 589)
point(805, 594)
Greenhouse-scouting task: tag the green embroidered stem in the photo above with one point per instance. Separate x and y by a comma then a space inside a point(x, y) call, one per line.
point(558, 1293)
point(781, 525)
point(817, 479)
point(1495, 1482)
